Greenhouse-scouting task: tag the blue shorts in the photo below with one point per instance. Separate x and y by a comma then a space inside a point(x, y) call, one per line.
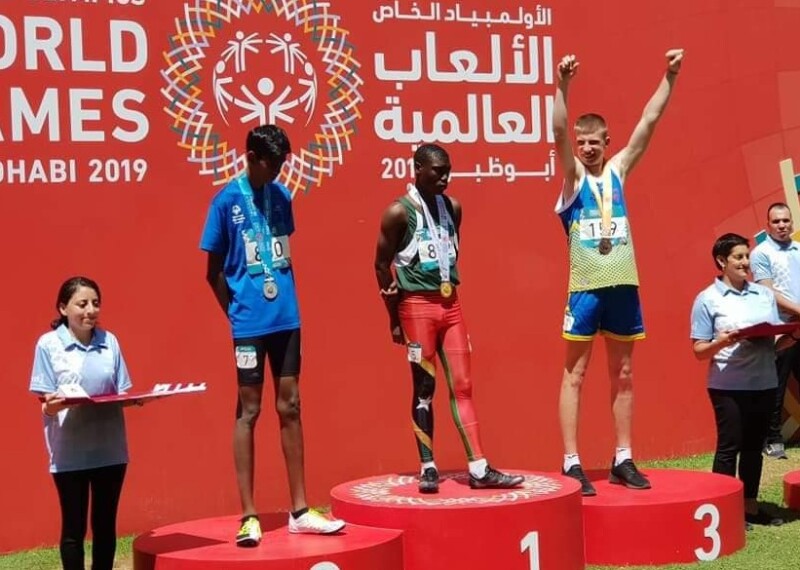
point(612, 311)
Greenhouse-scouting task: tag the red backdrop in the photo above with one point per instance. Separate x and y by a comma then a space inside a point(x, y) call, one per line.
point(170, 87)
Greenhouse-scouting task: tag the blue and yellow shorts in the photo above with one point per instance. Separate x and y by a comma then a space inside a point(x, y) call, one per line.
point(612, 311)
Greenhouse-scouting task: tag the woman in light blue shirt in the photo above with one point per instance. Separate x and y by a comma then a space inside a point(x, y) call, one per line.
point(86, 443)
point(741, 371)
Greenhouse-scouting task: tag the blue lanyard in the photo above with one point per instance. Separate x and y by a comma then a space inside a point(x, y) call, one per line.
point(260, 224)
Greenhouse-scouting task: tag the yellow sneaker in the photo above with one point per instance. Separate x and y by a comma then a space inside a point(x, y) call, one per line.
point(250, 532)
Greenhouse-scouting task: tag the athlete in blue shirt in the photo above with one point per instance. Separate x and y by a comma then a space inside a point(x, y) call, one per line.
point(246, 236)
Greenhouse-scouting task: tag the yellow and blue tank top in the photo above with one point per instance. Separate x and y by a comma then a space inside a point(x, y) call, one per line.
point(416, 263)
point(581, 216)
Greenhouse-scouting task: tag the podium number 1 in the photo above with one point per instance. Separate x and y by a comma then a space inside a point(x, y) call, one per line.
point(531, 544)
point(710, 531)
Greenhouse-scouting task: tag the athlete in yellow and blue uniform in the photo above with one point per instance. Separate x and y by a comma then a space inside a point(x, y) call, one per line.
point(603, 294)
point(603, 282)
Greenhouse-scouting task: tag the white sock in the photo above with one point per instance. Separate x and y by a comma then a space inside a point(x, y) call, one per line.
point(425, 466)
point(478, 468)
point(622, 454)
point(570, 461)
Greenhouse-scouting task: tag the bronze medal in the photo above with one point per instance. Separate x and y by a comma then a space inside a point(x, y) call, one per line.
point(605, 246)
point(270, 290)
point(446, 289)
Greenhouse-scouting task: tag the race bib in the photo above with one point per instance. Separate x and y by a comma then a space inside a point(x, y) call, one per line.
point(252, 253)
point(246, 358)
point(281, 255)
point(569, 322)
point(428, 256)
point(590, 230)
point(414, 352)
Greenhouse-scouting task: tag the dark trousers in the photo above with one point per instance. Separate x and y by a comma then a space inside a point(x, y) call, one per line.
point(787, 363)
point(742, 422)
point(74, 487)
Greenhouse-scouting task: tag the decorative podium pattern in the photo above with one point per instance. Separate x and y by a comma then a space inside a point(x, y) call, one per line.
point(687, 516)
point(791, 490)
point(535, 527)
point(208, 544)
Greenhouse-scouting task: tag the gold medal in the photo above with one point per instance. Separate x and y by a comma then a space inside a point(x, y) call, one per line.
point(605, 246)
point(446, 289)
point(270, 290)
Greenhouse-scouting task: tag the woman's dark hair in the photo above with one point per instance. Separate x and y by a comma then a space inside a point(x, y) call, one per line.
point(65, 293)
point(724, 246)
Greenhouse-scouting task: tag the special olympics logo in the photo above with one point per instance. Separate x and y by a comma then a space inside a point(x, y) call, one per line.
point(231, 70)
point(243, 94)
point(382, 491)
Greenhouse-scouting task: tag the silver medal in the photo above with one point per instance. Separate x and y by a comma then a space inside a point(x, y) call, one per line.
point(270, 290)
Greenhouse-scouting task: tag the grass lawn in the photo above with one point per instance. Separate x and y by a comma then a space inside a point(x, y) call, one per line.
point(768, 548)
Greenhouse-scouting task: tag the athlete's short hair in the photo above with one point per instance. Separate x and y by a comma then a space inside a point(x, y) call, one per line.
point(268, 141)
point(591, 123)
point(427, 152)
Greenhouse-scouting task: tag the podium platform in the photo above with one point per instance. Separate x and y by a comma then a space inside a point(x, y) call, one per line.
point(537, 526)
point(791, 490)
point(208, 544)
point(687, 516)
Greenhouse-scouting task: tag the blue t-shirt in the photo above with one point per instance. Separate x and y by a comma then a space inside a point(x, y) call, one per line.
point(229, 232)
point(90, 435)
point(750, 363)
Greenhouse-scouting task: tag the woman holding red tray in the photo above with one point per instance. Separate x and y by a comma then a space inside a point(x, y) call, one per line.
point(741, 372)
point(86, 443)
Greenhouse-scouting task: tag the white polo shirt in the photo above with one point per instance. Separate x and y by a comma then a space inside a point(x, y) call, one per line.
point(750, 363)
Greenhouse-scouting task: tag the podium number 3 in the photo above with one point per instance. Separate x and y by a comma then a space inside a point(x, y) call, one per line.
point(531, 544)
point(710, 531)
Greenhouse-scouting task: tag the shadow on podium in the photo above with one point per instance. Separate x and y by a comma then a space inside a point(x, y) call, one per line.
point(158, 544)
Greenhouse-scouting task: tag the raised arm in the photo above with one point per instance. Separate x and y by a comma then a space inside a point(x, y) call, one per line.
point(630, 155)
point(393, 227)
point(567, 68)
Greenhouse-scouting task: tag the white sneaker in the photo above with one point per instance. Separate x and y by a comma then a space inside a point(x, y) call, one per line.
point(313, 522)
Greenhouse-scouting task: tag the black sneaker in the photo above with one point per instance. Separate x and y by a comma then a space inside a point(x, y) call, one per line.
point(575, 472)
point(762, 518)
point(495, 480)
point(627, 474)
point(429, 481)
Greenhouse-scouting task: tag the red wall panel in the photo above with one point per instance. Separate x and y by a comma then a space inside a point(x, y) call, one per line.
point(712, 167)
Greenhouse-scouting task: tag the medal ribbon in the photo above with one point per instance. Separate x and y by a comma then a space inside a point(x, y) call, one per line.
point(442, 244)
point(260, 224)
point(602, 190)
